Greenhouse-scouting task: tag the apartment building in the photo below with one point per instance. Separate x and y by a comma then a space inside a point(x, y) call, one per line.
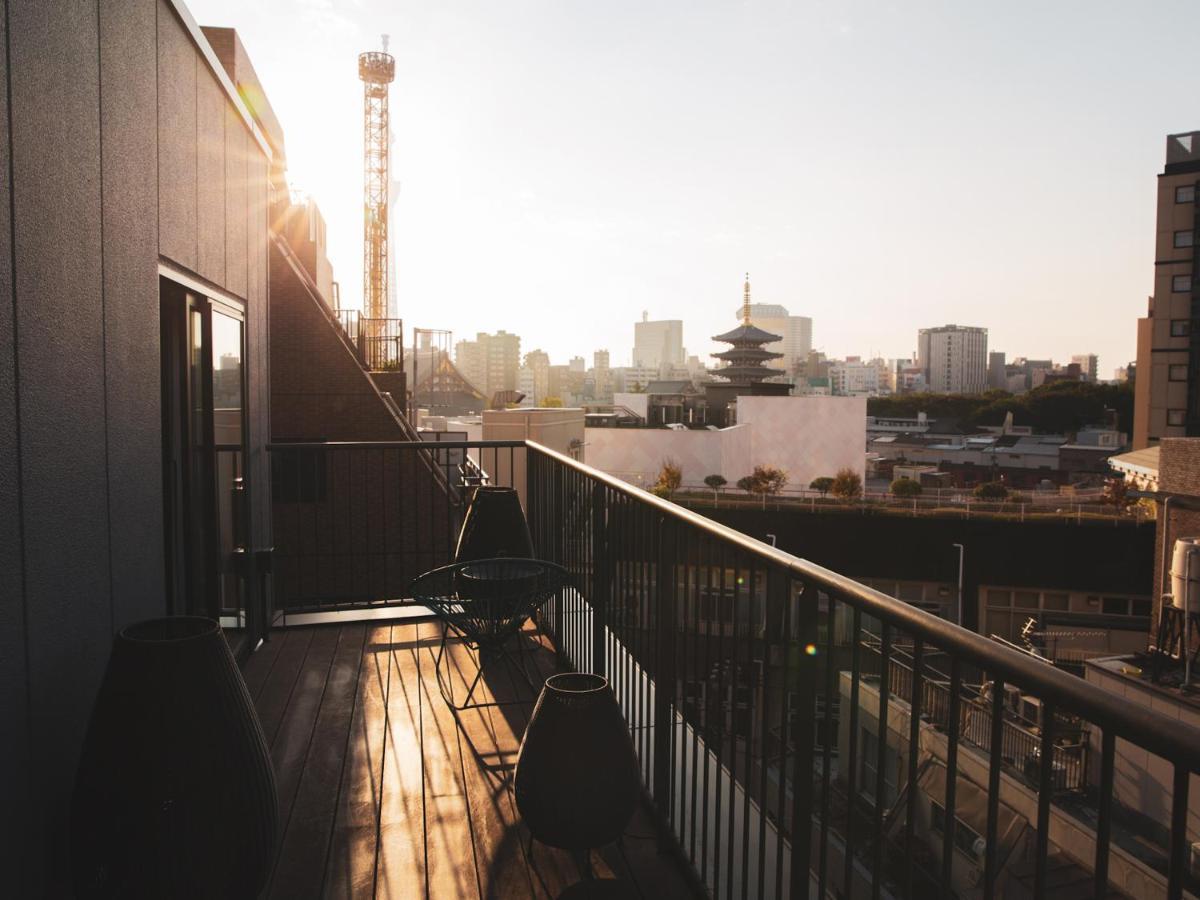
point(490, 362)
point(1167, 391)
point(953, 359)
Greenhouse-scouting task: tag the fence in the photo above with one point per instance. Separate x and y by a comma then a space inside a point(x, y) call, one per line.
point(725, 655)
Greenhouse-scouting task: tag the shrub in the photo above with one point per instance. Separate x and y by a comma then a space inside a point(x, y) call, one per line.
point(906, 487)
point(670, 477)
point(847, 485)
point(822, 484)
point(990, 490)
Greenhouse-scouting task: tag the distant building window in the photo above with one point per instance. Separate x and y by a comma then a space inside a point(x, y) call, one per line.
point(1056, 601)
point(1181, 283)
point(999, 598)
point(1185, 193)
point(1180, 328)
point(1177, 373)
point(1115, 606)
point(1184, 238)
point(1140, 607)
point(1176, 417)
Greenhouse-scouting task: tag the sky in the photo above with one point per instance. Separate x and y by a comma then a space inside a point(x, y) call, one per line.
point(564, 166)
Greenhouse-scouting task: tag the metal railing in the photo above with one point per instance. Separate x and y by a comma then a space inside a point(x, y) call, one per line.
point(378, 343)
point(723, 652)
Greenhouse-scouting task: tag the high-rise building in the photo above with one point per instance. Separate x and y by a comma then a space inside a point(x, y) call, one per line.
point(953, 359)
point(1167, 395)
point(538, 363)
point(1089, 365)
point(795, 333)
point(602, 382)
point(658, 343)
point(490, 362)
point(997, 378)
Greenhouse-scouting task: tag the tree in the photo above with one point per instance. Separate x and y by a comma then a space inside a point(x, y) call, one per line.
point(906, 487)
point(716, 482)
point(670, 477)
point(822, 484)
point(847, 485)
point(1116, 493)
point(991, 490)
point(746, 483)
point(768, 480)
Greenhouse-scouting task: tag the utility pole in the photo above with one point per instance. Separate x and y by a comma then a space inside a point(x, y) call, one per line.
point(960, 582)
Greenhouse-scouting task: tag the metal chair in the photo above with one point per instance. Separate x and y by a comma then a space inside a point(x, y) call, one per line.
point(486, 602)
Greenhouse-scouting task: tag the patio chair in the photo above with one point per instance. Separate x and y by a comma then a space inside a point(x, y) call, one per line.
point(486, 602)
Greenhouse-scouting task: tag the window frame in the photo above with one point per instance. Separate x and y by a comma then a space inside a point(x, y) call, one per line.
point(1171, 370)
point(1181, 327)
point(1184, 240)
point(1191, 193)
point(1187, 284)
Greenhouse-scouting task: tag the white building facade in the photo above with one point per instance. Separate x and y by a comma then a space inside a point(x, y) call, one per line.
point(953, 359)
point(657, 344)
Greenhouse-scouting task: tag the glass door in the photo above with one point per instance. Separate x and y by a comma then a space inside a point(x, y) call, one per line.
point(204, 453)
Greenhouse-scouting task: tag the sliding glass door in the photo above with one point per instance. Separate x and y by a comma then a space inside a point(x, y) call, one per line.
point(204, 461)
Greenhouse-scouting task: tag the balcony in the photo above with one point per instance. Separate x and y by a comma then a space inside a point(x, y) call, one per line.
point(753, 683)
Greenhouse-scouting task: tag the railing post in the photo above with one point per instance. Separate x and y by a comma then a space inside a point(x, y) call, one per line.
point(664, 668)
point(602, 567)
point(803, 738)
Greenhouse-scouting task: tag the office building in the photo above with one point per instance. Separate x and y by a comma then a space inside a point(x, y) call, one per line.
point(1089, 366)
point(795, 333)
point(490, 362)
point(658, 343)
point(953, 359)
point(1167, 395)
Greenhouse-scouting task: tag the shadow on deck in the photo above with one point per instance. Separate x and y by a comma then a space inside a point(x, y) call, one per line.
point(383, 793)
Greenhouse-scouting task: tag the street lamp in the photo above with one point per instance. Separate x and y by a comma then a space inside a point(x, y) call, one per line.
point(960, 581)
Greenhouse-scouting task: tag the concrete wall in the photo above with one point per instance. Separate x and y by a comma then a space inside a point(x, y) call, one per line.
point(123, 147)
point(805, 436)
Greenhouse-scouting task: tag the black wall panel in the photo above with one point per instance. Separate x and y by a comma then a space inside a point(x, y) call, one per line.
point(60, 327)
point(128, 69)
point(210, 175)
point(14, 743)
point(177, 68)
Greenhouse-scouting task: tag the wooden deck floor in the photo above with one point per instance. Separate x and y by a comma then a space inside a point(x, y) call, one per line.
point(384, 793)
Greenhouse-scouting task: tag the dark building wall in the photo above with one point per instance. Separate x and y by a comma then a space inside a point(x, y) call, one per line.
point(1055, 555)
point(318, 389)
point(115, 114)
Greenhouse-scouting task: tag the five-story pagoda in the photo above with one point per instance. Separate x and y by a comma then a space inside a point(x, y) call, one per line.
point(744, 361)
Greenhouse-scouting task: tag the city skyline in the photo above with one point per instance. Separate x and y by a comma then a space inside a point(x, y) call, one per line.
point(612, 160)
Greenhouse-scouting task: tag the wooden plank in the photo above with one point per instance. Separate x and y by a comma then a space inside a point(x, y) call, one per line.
point(272, 701)
point(450, 847)
point(257, 669)
point(290, 748)
point(350, 868)
point(401, 868)
point(551, 871)
point(487, 758)
point(306, 833)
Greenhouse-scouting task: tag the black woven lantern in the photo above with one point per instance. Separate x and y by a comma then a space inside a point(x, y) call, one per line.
point(577, 774)
point(175, 795)
point(494, 526)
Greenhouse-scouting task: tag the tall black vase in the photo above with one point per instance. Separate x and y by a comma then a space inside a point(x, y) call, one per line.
point(175, 795)
point(494, 526)
point(577, 774)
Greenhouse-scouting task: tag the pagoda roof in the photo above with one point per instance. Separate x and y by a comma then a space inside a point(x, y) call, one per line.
point(747, 334)
point(748, 354)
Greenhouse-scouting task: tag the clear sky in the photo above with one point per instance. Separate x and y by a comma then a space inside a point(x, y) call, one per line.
point(564, 165)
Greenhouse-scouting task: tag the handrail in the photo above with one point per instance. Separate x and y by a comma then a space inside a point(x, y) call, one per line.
point(1168, 738)
point(1152, 730)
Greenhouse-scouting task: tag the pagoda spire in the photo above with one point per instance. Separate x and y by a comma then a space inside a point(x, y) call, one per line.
point(746, 301)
